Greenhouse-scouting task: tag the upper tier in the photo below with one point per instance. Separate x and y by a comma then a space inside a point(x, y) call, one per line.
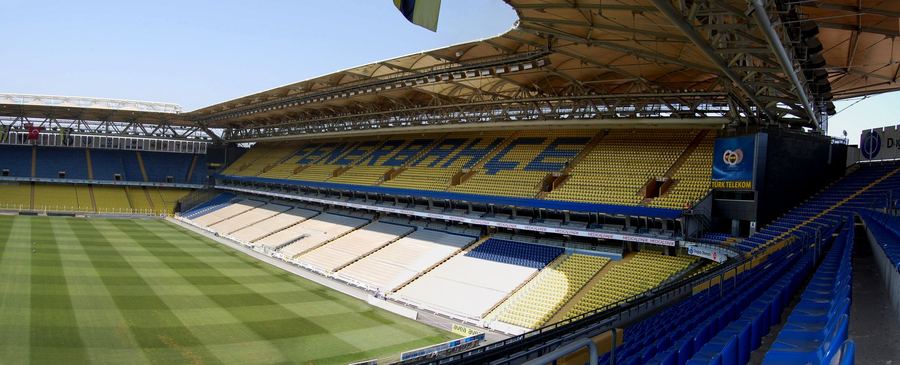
point(615, 167)
point(102, 164)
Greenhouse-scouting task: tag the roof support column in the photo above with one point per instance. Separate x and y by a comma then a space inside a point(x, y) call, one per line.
point(762, 18)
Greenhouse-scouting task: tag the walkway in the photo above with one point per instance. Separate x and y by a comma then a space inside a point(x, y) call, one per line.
point(873, 323)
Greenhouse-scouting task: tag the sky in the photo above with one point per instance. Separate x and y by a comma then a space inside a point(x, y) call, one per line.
point(200, 52)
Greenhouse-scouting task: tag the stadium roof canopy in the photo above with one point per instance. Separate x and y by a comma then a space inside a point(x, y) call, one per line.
point(602, 61)
point(860, 46)
point(99, 116)
point(76, 107)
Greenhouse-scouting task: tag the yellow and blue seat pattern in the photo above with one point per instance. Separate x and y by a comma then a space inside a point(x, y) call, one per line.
point(83, 198)
point(634, 275)
point(543, 296)
point(508, 164)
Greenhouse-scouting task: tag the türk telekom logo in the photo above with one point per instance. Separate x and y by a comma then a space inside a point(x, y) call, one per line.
point(733, 157)
point(870, 145)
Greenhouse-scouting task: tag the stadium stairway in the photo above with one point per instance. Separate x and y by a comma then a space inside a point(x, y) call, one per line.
point(884, 239)
point(817, 326)
point(886, 230)
point(90, 165)
point(536, 301)
point(338, 268)
point(357, 252)
point(149, 199)
point(562, 312)
point(140, 160)
point(190, 171)
point(33, 163)
point(461, 251)
point(565, 173)
point(698, 138)
point(326, 241)
point(93, 200)
point(541, 263)
point(629, 277)
point(279, 229)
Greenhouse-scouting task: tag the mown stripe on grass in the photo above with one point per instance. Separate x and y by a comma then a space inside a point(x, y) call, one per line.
point(15, 298)
point(289, 326)
point(101, 324)
point(6, 226)
point(239, 257)
point(161, 345)
point(359, 326)
point(54, 329)
point(212, 324)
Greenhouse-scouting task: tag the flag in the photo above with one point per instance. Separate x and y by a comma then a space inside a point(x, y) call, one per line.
point(423, 13)
point(33, 132)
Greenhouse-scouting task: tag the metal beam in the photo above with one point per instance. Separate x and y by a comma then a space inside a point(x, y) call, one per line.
point(625, 108)
point(762, 18)
point(539, 124)
point(641, 53)
point(615, 28)
point(569, 348)
point(578, 5)
point(854, 27)
point(852, 8)
point(690, 31)
point(132, 128)
point(402, 80)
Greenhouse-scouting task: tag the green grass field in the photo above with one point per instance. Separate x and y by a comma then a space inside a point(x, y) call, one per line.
point(115, 291)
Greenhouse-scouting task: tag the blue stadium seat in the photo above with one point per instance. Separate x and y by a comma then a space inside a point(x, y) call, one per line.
point(160, 165)
point(818, 325)
point(53, 160)
point(218, 202)
point(516, 253)
point(107, 163)
point(886, 231)
point(16, 159)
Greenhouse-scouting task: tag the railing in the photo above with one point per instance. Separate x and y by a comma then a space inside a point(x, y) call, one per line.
point(99, 182)
point(113, 137)
point(271, 190)
point(196, 198)
point(66, 209)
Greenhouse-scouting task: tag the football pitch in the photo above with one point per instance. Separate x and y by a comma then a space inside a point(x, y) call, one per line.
point(116, 291)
